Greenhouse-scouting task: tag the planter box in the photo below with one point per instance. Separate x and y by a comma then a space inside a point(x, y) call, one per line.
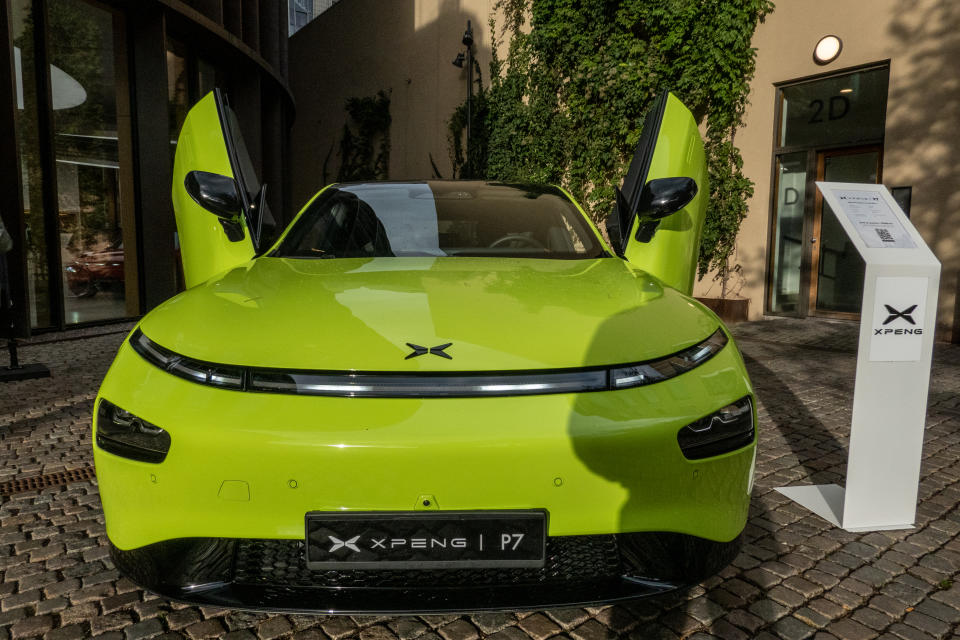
point(730, 310)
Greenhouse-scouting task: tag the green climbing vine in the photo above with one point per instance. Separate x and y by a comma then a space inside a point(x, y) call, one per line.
point(365, 153)
point(566, 103)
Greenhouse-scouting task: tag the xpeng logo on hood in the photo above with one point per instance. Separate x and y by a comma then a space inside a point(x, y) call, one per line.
point(421, 351)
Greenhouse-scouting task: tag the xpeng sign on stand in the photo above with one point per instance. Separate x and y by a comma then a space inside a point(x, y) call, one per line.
point(897, 321)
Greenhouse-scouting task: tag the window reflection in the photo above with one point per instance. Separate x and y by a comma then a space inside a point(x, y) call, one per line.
point(838, 110)
point(788, 250)
point(82, 45)
point(38, 274)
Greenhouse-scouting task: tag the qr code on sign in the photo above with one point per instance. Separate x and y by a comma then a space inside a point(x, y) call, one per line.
point(885, 235)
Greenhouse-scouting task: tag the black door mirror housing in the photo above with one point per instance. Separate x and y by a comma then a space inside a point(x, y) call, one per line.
point(215, 193)
point(664, 196)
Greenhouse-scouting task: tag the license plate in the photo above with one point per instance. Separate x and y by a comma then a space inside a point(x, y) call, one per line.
point(425, 540)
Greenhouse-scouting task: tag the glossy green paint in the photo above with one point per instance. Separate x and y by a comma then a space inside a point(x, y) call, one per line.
point(672, 254)
point(359, 313)
point(204, 247)
point(601, 462)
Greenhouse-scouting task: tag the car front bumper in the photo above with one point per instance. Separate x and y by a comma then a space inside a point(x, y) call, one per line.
point(247, 467)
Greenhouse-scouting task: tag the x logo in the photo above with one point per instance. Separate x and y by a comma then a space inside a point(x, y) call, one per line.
point(340, 544)
point(894, 314)
point(437, 351)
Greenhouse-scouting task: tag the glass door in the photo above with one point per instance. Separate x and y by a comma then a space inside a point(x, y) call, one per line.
point(837, 270)
point(76, 161)
point(827, 128)
point(91, 146)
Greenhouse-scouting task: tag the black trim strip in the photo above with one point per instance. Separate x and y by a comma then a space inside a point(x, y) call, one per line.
point(208, 572)
point(439, 384)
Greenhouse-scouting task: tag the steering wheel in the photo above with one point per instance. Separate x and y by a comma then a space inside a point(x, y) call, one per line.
point(516, 241)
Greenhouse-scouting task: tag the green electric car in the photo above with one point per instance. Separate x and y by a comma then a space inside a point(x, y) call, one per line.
point(427, 396)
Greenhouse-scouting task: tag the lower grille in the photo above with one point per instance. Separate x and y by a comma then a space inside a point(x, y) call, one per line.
point(569, 559)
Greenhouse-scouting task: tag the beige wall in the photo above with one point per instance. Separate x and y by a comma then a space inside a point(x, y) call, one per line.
point(358, 47)
point(361, 46)
point(922, 41)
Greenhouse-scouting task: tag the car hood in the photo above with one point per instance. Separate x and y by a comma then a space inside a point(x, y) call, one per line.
point(498, 314)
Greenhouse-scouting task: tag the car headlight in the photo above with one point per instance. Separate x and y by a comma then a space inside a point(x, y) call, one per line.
point(124, 434)
point(657, 370)
point(725, 430)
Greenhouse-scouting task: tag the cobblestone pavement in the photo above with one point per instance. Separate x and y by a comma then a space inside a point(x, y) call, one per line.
point(797, 576)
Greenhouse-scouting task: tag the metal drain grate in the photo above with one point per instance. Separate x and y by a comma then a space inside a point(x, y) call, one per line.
point(33, 483)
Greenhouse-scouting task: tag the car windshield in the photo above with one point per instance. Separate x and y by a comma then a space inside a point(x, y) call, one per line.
point(441, 219)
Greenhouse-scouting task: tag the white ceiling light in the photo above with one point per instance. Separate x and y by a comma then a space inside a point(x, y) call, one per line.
point(827, 49)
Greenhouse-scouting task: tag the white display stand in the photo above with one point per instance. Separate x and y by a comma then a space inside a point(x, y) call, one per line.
point(897, 323)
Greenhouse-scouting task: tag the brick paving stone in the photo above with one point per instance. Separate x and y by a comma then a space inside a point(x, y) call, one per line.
point(181, 618)
point(489, 622)
point(51, 606)
point(538, 626)
point(744, 620)
point(411, 628)
point(338, 627)
point(26, 599)
point(905, 632)
point(592, 630)
point(786, 597)
point(32, 626)
point(381, 632)
point(848, 629)
point(790, 628)
point(725, 630)
point(143, 630)
point(680, 622)
point(621, 619)
point(241, 634)
point(69, 632)
point(458, 630)
point(124, 600)
point(210, 628)
point(927, 624)
point(811, 617)
point(873, 618)
point(768, 610)
point(305, 634)
point(273, 628)
point(939, 611)
point(110, 622)
point(79, 613)
point(510, 633)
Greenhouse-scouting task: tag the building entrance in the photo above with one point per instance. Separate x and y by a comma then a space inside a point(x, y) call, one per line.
point(831, 129)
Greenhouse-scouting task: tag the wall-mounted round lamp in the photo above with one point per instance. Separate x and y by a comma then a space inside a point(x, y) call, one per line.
point(827, 50)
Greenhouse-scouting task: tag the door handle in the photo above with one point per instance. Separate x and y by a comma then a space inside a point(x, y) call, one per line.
point(813, 241)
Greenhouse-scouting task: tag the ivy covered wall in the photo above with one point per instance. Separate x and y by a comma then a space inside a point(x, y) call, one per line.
point(567, 97)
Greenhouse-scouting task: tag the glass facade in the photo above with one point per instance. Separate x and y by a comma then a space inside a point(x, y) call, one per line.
point(100, 240)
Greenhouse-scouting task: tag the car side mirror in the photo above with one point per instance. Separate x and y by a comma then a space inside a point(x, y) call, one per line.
point(664, 196)
point(215, 193)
